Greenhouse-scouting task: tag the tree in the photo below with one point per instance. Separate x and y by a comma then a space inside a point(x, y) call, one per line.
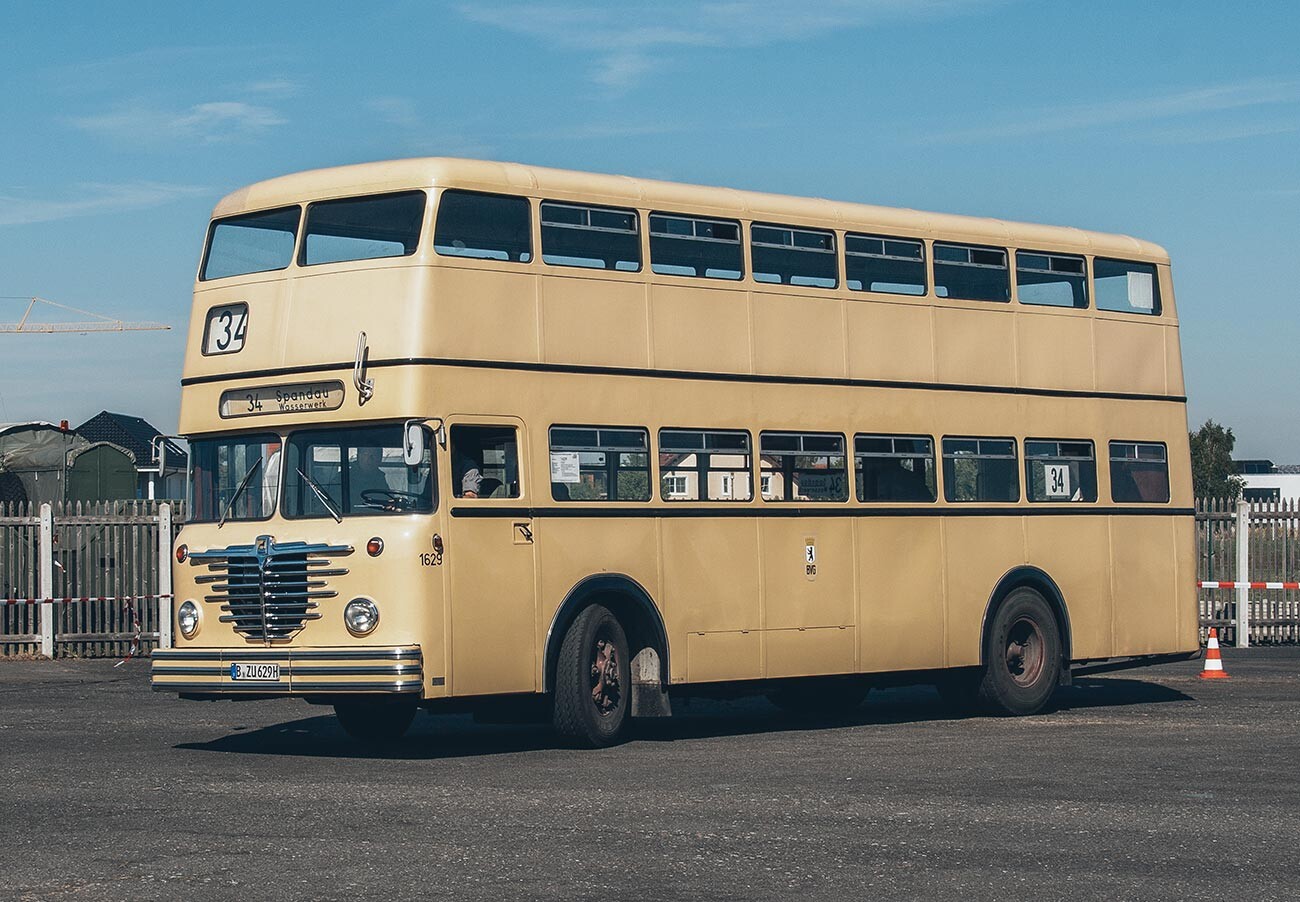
point(1213, 474)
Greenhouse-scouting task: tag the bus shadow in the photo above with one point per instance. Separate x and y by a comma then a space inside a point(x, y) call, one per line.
point(459, 736)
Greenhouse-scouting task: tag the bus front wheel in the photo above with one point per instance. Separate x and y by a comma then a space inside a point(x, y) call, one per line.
point(375, 719)
point(1022, 655)
point(593, 680)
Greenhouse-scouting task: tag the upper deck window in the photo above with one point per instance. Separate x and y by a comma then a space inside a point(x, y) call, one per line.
point(790, 256)
point(592, 237)
point(1051, 280)
point(486, 226)
point(971, 273)
point(691, 246)
point(363, 228)
point(252, 242)
point(1126, 287)
point(887, 265)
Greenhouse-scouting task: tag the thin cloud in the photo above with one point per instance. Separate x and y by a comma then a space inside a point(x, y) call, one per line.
point(626, 42)
point(1074, 117)
point(1218, 134)
point(206, 122)
point(277, 88)
point(91, 198)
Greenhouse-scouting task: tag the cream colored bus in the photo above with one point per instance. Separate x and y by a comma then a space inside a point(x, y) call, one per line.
point(480, 436)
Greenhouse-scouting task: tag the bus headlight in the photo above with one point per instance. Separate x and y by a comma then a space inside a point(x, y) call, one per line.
point(361, 616)
point(187, 618)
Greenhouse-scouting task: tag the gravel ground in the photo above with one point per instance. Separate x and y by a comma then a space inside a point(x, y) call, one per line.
point(1147, 784)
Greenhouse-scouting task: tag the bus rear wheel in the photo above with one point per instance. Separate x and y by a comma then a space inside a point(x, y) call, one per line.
point(593, 680)
point(1022, 655)
point(375, 719)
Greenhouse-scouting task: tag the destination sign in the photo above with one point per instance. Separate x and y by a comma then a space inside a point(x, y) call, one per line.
point(299, 397)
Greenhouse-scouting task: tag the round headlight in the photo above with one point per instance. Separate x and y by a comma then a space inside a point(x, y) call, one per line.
point(361, 616)
point(187, 618)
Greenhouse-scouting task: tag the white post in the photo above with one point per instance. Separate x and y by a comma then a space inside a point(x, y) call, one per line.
point(1243, 574)
point(165, 576)
point(46, 557)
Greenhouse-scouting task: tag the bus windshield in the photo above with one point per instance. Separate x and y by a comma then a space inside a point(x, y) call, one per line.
point(354, 472)
point(234, 478)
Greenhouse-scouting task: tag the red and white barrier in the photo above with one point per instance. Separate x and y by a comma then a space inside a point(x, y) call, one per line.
point(124, 598)
point(1212, 584)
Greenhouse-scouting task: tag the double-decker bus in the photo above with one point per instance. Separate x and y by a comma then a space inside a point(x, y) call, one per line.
point(481, 436)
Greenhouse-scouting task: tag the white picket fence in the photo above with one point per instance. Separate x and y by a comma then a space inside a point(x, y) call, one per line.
point(94, 579)
point(90, 580)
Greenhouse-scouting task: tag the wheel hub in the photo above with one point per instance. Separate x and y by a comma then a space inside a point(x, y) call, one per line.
point(1025, 652)
point(604, 677)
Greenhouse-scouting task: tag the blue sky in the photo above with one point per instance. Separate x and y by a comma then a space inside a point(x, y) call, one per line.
point(1173, 121)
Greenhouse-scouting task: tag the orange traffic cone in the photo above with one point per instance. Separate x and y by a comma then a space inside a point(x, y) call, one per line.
point(1213, 669)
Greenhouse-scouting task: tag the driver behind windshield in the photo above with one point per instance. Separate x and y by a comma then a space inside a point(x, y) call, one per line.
point(366, 475)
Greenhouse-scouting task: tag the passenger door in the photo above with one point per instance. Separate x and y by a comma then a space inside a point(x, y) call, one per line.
point(489, 556)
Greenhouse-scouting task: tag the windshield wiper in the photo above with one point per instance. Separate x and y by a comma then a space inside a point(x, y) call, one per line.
point(320, 494)
point(243, 484)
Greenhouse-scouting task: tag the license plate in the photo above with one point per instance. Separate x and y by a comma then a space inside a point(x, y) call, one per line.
point(255, 673)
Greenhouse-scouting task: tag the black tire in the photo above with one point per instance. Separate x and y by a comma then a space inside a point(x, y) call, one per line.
point(592, 692)
point(375, 719)
point(820, 697)
point(1022, 656)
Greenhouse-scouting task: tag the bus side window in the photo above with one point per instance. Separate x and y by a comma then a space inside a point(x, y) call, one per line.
point(485, 461)
point(1139, 472)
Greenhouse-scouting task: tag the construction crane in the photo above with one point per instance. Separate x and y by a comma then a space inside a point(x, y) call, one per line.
point(97, 323)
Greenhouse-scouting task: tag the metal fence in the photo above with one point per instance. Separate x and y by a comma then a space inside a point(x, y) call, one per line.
point(106, 581)
point(1255, 549)
point(85, 579)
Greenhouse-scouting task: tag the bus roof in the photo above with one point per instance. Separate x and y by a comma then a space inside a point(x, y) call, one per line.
point(564, 184)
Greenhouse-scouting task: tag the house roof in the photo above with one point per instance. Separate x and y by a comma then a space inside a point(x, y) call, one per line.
point(132, 433)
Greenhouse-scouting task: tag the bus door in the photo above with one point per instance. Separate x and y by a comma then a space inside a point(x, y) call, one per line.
point(490, 557)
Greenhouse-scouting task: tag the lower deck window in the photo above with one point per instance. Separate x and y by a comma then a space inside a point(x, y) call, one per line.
point(600, 463)
point(894, 467)
point(980, 469)
point(1060, 471)
point(803, 466)
point(1139, 472)
point(485, 461)
point(703, 465)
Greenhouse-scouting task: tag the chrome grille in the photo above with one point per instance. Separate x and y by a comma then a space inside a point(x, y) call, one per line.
point(268, 590)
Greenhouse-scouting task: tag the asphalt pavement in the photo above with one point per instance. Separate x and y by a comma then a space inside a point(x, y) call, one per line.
point(1146, 784)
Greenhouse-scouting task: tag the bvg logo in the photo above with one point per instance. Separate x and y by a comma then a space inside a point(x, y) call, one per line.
point(810, 557)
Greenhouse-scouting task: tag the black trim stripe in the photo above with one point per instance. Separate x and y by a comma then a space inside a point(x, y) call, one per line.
point(578, 512)
point(751, 378)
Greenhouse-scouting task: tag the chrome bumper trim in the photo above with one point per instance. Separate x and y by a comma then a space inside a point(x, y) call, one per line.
point(302, 670)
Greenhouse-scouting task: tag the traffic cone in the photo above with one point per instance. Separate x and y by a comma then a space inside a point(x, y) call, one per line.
point(1213, 669)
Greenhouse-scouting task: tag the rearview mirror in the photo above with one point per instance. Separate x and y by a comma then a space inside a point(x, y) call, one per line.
point(413, 444)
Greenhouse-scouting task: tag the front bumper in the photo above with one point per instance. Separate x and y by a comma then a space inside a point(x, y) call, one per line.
point(303, 671)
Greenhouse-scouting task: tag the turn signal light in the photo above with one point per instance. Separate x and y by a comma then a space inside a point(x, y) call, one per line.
point(375, 547)
point(182, 553)
point(437, 543)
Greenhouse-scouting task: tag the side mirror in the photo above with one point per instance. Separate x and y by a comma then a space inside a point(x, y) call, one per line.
point(413, 443)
